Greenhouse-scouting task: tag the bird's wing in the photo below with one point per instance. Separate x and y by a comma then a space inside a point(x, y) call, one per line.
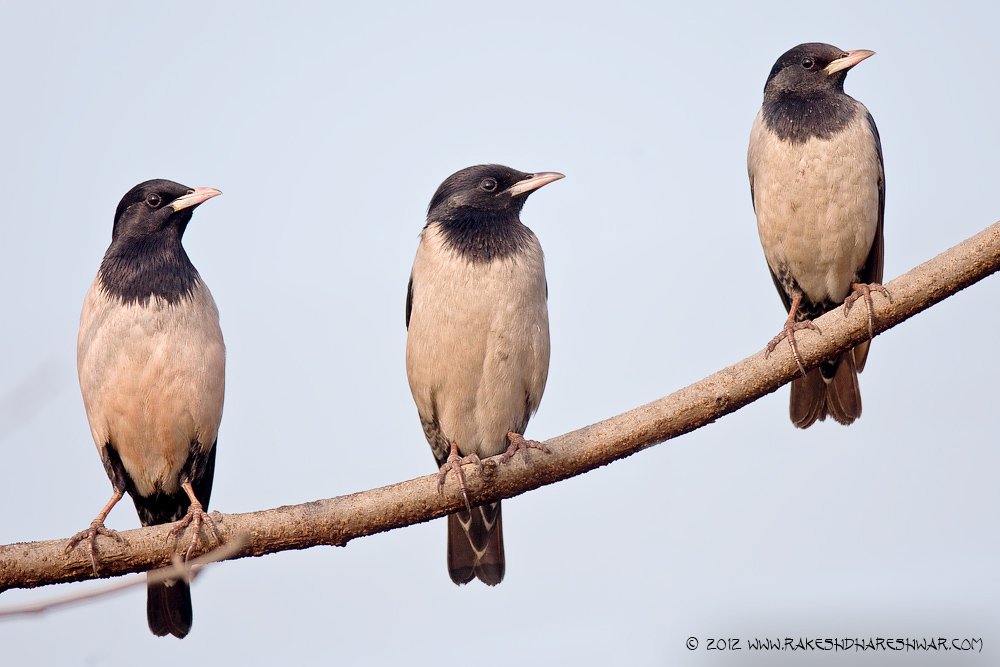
point(440, 446)
point(871, 272)
point(781, 290)
point(202, 473)
point(409, 300)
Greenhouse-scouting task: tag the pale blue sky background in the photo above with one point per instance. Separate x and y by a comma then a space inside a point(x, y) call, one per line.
point(328, 128)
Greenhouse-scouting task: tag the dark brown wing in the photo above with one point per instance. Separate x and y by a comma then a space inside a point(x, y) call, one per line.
point(409, 301)
point(871, 272)
point(781, 291)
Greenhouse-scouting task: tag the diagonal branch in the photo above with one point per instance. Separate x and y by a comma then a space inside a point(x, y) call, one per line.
point(186, 570)
point(338, 520)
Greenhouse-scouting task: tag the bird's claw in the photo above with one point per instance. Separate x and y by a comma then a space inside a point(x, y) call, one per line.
point(90, 535)
point(455, 462)
point(518, 443)
point(864, 291)
point(196, 516)
point(789, 332)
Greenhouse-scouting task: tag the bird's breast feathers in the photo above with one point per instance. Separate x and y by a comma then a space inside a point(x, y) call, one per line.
point(477, 351)
point(153, 380)
point(817, 204)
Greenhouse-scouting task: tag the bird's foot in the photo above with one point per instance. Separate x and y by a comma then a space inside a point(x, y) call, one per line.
point(789, 332)
point(196, 516)
point(864, 291)
point(518, 444)
point(455, 463)
point(97, 527)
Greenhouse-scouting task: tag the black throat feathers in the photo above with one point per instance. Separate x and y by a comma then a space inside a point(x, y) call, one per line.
point(136, 269)
point(481, 236)
point(796, 118)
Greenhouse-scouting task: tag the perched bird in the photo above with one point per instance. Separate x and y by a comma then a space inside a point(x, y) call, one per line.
point(818, 189)
point(152, 362)
point(477, 345)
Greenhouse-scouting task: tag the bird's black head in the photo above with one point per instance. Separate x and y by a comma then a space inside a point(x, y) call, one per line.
point(478, 209)
point(486, 188)
point(804, 95)
point(146, 257)
point(155, 206)
point(812, 70)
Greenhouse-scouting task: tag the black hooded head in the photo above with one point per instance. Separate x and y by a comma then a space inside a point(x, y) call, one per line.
point(146, 257)
point(804, 94)
point(478, 209)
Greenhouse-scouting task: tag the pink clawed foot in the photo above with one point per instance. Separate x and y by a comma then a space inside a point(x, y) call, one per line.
point(196, 516)
point(96, 528)
point(791, 326)
point(864, 291)
point(789, 332)
point(90, 535)
point(518, 443)
point(455, 463)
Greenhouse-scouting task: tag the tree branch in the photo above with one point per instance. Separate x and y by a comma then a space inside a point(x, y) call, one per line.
point(177, 570)
point(338, 520)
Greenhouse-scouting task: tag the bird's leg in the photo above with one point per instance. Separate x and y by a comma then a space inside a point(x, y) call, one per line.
point(97, 528)
point(455, 462)
point(864, 291)
point(791, 326)
point(196, 515)
point(518, 443)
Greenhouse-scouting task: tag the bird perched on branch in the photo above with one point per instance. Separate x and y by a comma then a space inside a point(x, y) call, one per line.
point(818, 189)
point(151, 362)
point(477, 346)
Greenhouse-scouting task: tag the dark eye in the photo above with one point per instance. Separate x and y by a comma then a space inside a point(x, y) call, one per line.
point(808, 62)
point(488, 184)
point(153, 200)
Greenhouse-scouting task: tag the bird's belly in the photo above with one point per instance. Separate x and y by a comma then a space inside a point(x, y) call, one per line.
point(478, 352)
point(153, 384)
point(821, 249)
point(817, 212)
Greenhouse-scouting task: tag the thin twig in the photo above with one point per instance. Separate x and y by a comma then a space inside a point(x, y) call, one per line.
point(178, 570)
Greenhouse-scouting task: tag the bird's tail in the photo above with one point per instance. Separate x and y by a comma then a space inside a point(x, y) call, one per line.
point(168, 604)
point(475, 545)
point(168, 608)
point(831, 389)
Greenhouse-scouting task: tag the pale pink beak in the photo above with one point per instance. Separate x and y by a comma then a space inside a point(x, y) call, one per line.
point(534, 182)
point(847, 61)
point(193, 198)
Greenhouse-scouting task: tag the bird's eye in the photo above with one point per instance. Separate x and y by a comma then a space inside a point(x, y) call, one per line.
point(488, 184)
point(808, 62)
point(153, 200)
